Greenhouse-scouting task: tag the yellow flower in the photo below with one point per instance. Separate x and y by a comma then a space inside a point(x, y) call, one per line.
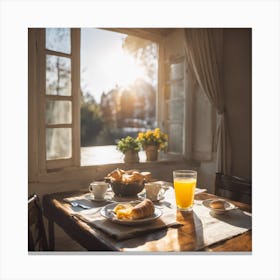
point(153, 137)
point(140, 135)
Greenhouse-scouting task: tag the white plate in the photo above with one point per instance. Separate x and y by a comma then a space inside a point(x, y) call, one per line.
point(228, 206)
point(107, 212)
point(107, 197)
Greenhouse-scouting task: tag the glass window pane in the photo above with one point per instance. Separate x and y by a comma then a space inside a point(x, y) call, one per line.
point(176, 71)
point(176, 110)
point(175, 142)
point(177, 90)
point(58, 112)
point(58, 75)
point(58, 39)
point(58, 143)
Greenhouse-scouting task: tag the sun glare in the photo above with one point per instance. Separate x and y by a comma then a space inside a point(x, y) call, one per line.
point(105, 64)
point(123, 69)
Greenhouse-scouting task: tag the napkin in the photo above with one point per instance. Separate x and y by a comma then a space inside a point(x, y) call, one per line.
point(121, 232)
point(211, 228)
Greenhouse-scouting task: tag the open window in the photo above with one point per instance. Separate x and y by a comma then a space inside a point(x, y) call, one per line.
point(119, 88)
point(54, 97)
point(59, 102)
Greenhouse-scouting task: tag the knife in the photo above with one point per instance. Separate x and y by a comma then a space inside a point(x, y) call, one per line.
point(75, 204)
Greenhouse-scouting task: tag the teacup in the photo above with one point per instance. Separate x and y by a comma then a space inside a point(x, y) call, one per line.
point(98, 189)
point(154, 191)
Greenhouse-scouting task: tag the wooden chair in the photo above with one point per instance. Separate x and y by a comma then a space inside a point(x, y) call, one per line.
point(234, 188)
point(37, 240)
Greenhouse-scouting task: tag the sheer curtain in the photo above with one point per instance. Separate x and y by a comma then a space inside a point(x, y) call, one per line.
point(203, 48)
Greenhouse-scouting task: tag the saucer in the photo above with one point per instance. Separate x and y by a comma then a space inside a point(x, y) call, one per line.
point(107, 197)
point(228, 206)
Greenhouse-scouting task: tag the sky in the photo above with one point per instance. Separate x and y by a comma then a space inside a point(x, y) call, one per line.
point(104, 63)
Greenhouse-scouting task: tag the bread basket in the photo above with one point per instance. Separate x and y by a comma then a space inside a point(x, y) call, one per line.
point(122, 186)
point(126, 190)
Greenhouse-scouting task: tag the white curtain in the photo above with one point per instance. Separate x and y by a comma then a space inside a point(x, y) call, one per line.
point(203, 48)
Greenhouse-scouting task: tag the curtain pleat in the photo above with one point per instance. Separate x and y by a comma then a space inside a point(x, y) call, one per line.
point(203, 52)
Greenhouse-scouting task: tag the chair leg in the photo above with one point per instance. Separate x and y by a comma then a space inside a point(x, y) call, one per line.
point(51, 234)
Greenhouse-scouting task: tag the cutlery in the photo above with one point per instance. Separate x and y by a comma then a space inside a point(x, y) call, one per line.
point(75, 204)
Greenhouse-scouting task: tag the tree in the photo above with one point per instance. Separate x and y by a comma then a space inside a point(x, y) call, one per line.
point(91, 122)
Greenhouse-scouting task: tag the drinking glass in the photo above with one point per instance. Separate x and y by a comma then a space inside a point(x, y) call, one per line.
point(184, 186)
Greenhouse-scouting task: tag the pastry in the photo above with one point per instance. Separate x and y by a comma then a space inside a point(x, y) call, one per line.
point(126, 177)
point(116, 175)
point(142, 210)
point(147, 176)
point(123, 211)
point(217, 204)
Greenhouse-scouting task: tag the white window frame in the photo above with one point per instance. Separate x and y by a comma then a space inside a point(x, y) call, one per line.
point(38, 166)
point(38, 98)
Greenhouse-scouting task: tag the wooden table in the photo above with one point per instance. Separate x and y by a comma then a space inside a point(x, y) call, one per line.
point(166, 240)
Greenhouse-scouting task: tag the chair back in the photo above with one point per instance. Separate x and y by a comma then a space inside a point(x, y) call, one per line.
point(234, 188)
point(37, 240)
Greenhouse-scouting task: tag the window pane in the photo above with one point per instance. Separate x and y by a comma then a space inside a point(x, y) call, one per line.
point(176, 110)
point(58, 39)
point(176, 71)
point(177, 90)
point(118, 85)
point(58, 143)
point(175, 138)
point(58, 75)
point(58, 112)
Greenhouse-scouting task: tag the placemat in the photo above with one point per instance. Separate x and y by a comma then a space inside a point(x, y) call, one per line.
point(121, 232)
point(211, 228)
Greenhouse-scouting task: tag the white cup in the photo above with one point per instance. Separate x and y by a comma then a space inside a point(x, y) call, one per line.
point(98, 189)
point(154, 191)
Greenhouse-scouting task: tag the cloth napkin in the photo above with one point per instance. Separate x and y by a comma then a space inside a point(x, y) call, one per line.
point(211, 228)
point(121, 232)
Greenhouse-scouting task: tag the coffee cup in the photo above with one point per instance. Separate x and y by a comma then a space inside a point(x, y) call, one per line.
point(154, 191)
point(98, 189)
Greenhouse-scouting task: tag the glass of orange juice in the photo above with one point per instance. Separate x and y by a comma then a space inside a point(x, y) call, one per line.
point(184, 186)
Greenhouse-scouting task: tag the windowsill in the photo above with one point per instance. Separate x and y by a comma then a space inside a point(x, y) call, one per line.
point(109, 155)
point(97, 162)
point(104, 155)
point(99, 155)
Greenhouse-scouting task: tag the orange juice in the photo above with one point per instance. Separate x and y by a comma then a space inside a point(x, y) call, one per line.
point(184, 192)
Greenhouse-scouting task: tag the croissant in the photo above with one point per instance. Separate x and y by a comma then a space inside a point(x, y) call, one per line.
point(116, 175)
point(144, 209)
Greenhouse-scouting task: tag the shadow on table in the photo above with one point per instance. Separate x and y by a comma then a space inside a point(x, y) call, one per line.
point(235, 217)
point(190, 236)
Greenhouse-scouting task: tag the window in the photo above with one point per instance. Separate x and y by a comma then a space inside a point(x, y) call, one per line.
point(60, 97)
point(55, 96)
point(175, 104)
point(118, 91)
